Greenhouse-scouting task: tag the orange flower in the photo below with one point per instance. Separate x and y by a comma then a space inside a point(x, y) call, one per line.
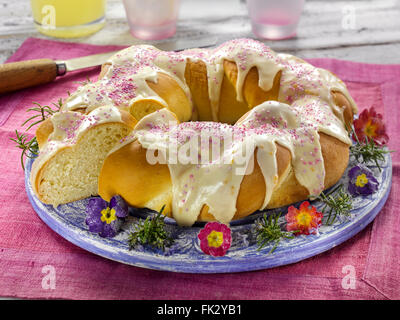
point(370, 125)
point(305, 220)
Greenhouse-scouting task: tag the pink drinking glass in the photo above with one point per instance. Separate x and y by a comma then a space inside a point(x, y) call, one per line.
point(274, 19)
point(152, 19)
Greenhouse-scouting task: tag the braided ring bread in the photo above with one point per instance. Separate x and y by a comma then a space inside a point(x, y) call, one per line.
point(288, 115)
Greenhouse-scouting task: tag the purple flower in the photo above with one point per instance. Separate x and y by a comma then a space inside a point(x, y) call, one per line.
point(106, 218)
point(362, 181)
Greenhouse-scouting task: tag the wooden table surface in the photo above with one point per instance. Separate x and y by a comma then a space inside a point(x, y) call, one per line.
point(362, 30)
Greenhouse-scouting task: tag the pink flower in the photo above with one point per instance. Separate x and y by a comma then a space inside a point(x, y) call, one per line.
point(215, 239)
point(305, 220)
point(370, 124)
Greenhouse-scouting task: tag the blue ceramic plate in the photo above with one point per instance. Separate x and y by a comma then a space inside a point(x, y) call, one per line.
point(185, 255)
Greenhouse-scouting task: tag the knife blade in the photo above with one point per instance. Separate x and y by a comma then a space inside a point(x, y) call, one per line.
point(98, 59)
point(19, 75)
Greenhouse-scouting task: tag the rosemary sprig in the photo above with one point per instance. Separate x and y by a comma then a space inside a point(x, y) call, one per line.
point(30, 148)
point(268, 230)
point(152, 232)
point(338, 204)
point(368, 151)
point(43, 112)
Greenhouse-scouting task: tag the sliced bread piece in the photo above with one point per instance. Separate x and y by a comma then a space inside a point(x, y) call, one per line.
point(70, 159)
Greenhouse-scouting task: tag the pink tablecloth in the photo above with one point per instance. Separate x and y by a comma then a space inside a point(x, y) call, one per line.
point(28, 246)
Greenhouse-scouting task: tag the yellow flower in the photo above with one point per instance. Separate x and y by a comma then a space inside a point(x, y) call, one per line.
point(304, 218)
point(370, 129)
point(361, 180)
point(215, 239)
point(108, 215)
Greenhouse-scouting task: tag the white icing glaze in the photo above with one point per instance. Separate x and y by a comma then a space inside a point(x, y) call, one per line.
point(216, 183)
point(305, 107)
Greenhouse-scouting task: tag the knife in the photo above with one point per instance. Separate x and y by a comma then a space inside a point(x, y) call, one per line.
point(19, 75)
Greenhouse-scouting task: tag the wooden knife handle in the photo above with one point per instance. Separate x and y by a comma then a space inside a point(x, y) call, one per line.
point(24, 74)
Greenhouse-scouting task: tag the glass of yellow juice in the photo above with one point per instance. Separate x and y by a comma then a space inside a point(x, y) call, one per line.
point(68, 18)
